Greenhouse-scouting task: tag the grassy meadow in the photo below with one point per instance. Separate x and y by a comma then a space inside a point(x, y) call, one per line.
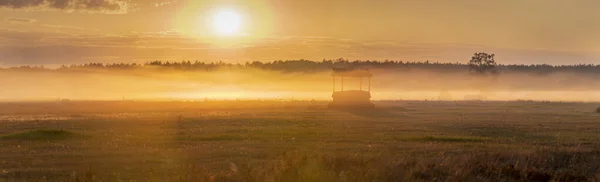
point(299, 141)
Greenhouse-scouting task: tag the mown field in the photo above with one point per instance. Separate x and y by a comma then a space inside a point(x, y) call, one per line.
point(299, 141)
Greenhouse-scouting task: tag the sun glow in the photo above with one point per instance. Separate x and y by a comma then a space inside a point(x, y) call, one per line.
point(226, 22)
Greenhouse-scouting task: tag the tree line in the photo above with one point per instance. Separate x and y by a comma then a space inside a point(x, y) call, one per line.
point(308, 66)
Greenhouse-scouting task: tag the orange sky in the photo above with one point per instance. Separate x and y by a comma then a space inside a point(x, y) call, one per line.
point(518, 31)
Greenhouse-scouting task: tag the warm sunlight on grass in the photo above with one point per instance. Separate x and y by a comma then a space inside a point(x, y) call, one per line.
point(298, 141)
point(224, 95)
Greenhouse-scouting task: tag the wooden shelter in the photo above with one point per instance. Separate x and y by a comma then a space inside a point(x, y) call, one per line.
point(351, 98)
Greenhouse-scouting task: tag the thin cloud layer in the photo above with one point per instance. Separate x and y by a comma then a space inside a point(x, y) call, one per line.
point(103, 6)
point(164, 3)
point(23, 47)
point(20, 20)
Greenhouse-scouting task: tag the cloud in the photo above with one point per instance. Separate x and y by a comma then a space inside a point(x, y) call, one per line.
point(67, 27)
point(20, 20)
point(102, 6)
point(164, 3)
point(19, 47)
point(165, 40)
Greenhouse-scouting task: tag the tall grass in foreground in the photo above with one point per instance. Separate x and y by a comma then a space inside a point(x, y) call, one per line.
point(41, 135)
point(549, 165)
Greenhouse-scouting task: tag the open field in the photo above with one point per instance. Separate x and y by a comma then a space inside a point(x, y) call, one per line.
point(299, 141)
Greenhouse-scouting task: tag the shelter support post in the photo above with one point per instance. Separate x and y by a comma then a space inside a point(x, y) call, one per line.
point(369, 84)
point(342, 83)
point(333, 83)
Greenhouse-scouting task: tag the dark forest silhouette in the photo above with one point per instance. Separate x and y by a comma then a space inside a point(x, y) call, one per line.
point(307, 66)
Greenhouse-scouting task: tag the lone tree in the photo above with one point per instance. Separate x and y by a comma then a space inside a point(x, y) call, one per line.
point(483, 63)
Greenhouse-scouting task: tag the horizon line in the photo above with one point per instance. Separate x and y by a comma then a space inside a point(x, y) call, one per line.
point(237, 63)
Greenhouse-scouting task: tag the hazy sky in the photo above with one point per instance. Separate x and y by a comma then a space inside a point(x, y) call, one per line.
point(55, 32)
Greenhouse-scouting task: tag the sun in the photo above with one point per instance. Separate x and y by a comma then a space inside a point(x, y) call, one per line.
point(226, 22)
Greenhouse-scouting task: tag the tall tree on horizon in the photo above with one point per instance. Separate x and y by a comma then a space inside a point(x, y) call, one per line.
point(484, 64)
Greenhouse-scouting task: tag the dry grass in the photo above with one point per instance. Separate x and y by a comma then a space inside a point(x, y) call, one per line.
point(401, 141)
point(449, 139)
point(41, 135)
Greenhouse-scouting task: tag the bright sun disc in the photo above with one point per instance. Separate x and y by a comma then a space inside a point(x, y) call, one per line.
point(226, 22)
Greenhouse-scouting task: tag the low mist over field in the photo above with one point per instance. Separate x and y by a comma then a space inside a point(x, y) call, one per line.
point(299, 90)
point(302, 80)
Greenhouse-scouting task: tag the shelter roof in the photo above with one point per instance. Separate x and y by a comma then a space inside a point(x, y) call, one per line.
point(351, 72)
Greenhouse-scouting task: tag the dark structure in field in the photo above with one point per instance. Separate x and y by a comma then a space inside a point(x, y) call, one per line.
point(351, 98)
